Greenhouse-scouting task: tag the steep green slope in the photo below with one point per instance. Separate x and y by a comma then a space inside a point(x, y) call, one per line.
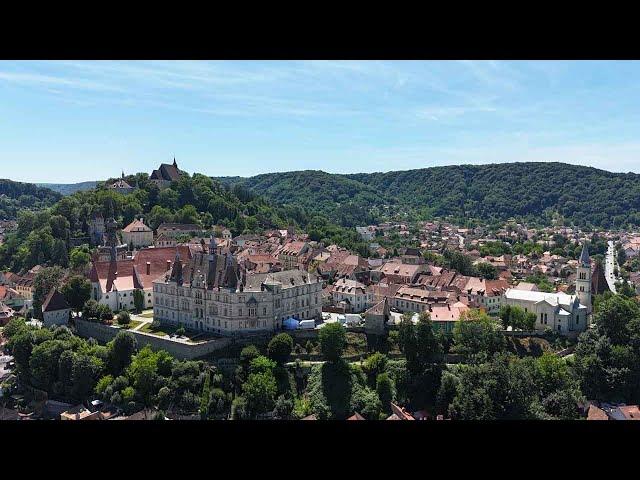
point(533, 192)
point(344, 201)
point(16, 196)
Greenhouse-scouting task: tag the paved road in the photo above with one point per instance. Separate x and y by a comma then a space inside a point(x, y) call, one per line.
point(610, 264)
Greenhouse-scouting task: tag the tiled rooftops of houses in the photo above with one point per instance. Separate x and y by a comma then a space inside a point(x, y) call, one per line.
point(349, 286)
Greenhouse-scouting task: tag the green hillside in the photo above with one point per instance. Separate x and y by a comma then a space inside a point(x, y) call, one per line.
point(17, 196)
point(533, 192)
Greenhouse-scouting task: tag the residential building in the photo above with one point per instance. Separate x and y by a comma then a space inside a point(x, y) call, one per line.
point(352, 292)
point(137, 235)
point(55, 309)
point(290, 255)
point(6, 314)
point(121, 186)
point(164, 241)
point(173, 230)
point(397, 272)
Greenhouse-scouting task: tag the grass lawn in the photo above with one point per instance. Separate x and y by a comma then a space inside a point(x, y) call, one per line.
point(147, 314)
point(132, 324)
point(162, 331)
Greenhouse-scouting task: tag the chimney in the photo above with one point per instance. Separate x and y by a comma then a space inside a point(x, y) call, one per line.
point(148, 268)
point(168, 265)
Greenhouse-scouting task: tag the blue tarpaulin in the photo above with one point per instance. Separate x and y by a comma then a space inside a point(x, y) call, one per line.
point(290, 324)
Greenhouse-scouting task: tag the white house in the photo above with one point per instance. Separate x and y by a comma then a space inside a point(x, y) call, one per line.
point(55, 309)
point(354, 292)
point(137, 234)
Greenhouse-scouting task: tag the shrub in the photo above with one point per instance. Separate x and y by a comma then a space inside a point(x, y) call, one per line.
point(124, 318)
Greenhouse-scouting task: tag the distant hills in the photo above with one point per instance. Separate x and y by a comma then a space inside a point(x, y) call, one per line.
point(534, 192)
point(68, 188)
point(16, 196)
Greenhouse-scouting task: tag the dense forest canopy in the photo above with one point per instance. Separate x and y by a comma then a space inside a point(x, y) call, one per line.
point(532, 192)
point(16, 196)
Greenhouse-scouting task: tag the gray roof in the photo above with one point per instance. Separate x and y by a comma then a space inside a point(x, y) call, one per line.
point(584, 255)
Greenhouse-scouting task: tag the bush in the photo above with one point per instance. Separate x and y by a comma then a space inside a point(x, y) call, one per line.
point(124, 318)
point(180, 331)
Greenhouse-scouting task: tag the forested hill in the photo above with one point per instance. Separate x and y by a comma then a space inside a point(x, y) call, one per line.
point(533, 192)
point(69, 188)
point(16, 196)
point(345, 201)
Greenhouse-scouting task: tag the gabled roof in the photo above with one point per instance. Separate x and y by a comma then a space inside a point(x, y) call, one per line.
point(356, 416)
point(136, 226)
point(55, 301)
point(169, 173)
point(381, 308)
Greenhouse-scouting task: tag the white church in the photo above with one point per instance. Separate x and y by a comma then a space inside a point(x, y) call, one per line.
point(566, 314)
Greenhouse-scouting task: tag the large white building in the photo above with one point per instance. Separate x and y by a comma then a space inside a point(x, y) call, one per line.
point(566, 314)
point(213, 293)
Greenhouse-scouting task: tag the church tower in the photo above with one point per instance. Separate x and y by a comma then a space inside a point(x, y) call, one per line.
point(583, 278)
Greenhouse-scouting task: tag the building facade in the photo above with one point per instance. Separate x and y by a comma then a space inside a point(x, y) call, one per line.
point(213, 293)
point(137, 235)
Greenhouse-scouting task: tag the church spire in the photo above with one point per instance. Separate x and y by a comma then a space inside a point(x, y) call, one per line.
point(584, 255)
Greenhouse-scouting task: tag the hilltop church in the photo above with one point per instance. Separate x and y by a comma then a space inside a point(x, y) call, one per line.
point(166, 174)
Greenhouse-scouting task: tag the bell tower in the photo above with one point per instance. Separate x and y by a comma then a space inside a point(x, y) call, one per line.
point(583, 278)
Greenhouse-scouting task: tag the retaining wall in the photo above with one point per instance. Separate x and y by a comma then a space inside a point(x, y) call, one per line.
point(184, 351)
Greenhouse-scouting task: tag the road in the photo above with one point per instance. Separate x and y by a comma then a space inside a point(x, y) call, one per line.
point(609, 266)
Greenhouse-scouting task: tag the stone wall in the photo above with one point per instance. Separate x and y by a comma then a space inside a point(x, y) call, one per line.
point(184, 351)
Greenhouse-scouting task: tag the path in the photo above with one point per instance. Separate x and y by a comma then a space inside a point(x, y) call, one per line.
point(610, 264)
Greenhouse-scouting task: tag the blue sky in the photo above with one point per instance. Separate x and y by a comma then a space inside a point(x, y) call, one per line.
point(69, 121)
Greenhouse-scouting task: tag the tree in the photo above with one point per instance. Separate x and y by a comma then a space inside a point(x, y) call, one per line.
point(45, 280)
point(79, 258)
point(477, 334)
point(613, 316)
point(138, 300)
point(77, 291)
point(385, 390)
point(428, 347)
point(124, 318)
point(121, 349)
point(104, 313)
point(143, 373)
point(332, 341)
point(373, 366)
point(206, 395)
point(259, 392)
point(446, 392)
point(84, 375)
point(487, 270)
point(280, 347)
point(90, 310)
